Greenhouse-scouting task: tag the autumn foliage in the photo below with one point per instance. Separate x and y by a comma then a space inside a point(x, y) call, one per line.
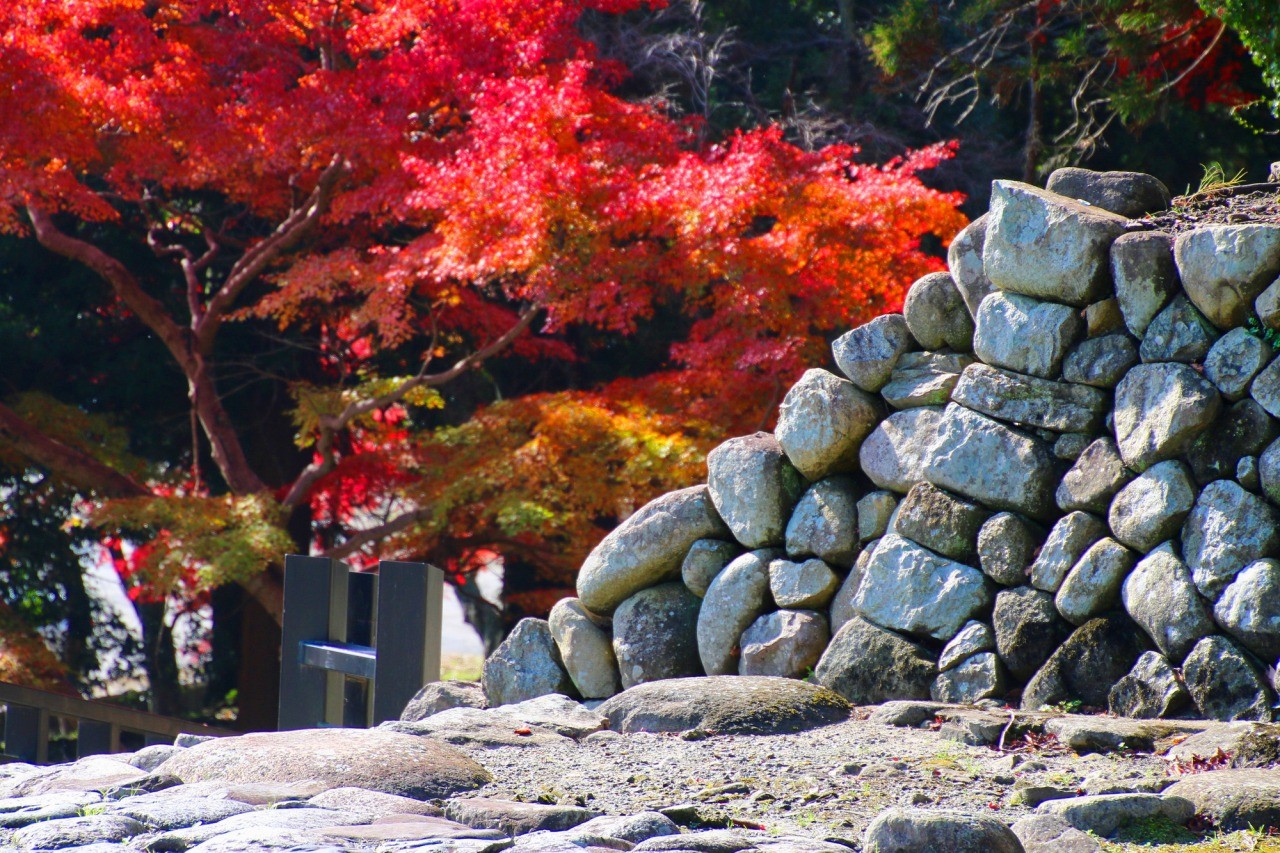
point(415, 188)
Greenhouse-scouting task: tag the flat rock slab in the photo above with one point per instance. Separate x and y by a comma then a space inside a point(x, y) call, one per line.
point(166, 813)
point(76, 831)
point(414, 828)
point(1233, 799)
point(267, 821)
point(724, 704)
point(915, 830)
point(1108, 734)
point(373, 803)
point(95, 773)
point(477, 727)
point(514, 818)
point(1105, 813)
point(373, 759)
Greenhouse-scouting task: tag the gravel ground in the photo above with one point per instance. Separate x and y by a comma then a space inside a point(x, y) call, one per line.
point(824, 783)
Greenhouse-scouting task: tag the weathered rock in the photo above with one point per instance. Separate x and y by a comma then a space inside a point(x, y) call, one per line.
point(1249, 608)
point(514, 818)
point(1151, 509)
point(745, 704)
point(1244, 429)
point(1094, 733)
point(1103, 318)
point(842, 609)
point(874, 511)
point(1027, 628)
point(1129, 194)
point(1025, 335)
point(1228, 528)
point(909, 588)
point(924, 379)
point(825, 523)
point(973, 638)
point(559, 714)
point(1267, 305)
point(373, 759)
point(441, 696)
point(1269, 471)
point(632, 828)
point(914, 830)
point(1178, 333)
point(1043, 833)
point(1092, 587)
point(1046, 245)
point(980, 458)
point(1151, 690)
point(1234, 360)
point(1101, 362)
point(867, 354)
point(1098, 474)
point(1093, 658)
point(706, 559)
point(1070, 445)
point(978, 677)
point(1265, 388)
point(586, 649)
point(802, 586)
point(1160, 596)
point(1248, 744)
point(867, 665)
point(150, 757)
point(76, 831)
point(1226, 683)
point(265, 830)
point(1074, 534)
point(785, 643)
point(937, 315)
point(655, 634)
point(1160, 411)
point(1247, 473)
point(894, 455)
point(1104, 814)
point(1224, 268)
point(754, 488)
point(704, 841)
point(1006, 546)
point(525, 666)
point(647, 548)
point(1145, 276)
point(1233, 799)
point(375, 804)
point(92, 773)
point(821, 424)
point(175, 812)
point(940, 521)
point(735, 599)
point(487, 729)
point(1028, 401)
point(964, 259)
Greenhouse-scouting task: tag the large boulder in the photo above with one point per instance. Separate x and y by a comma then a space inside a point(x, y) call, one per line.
point(867, 665)
point(936, 313)
point(1028, 401)
point(372, 759)
point(1101, 362)
point(1128, 194)
point(1074, 534)
point(586, 649)
point(1027, 628)
point(1092, 587)
point(1007, 544)
point(825, 522)
point(1150, 691)
point(868, 354)
point(1241, 430)
point(1160, 596)
point(901, 830)
point(706, 559)
point(726, 705)
point(1098, 473)
point(1048, 246)
point(441, 696)
point(1233, 800)
point(1234, 360)
point(648, 547)
point(975, 637)
point(964, 259)
point(822, 422)
point(754, 488)
point(1226, 683)
point(924, 379)
point(980, 458)
point(655, 634)
point(940, 521)
point(802, 586)
point(527, 665)
point(1024, 334)
point(1178, 333)
point(1095, 656)
point(735, 599)
point(911, 589)
point(784, 643)
point(1225, 267)
point(895, 454)
point(1151, 508)
point(1249, 608)
point(1145, 276)
point(1227, 529)
point(978, 677)
point(1160, 411)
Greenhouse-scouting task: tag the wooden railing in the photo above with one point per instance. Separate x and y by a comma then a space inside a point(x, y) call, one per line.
point(100, 724)
point(356, 646)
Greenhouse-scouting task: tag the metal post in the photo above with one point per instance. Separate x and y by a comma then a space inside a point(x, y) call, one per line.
point(409, 617)
point(315, 608)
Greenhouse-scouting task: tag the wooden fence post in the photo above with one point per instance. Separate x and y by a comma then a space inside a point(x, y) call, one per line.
point(409, 616)
point(315, 608)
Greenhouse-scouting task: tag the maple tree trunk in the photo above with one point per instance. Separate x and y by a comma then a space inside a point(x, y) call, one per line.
point(159, 660)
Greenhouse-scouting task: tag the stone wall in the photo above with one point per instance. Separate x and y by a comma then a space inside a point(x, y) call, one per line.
point(1056, 471)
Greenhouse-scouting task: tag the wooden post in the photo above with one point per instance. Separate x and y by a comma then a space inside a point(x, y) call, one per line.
point(26, 733)
point(315, 608)
point(408, 623)
point(96, 738)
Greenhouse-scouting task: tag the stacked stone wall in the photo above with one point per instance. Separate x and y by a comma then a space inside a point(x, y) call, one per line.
point(1056, 472)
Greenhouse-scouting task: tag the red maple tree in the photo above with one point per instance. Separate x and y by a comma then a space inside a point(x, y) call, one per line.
point(419, 187)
